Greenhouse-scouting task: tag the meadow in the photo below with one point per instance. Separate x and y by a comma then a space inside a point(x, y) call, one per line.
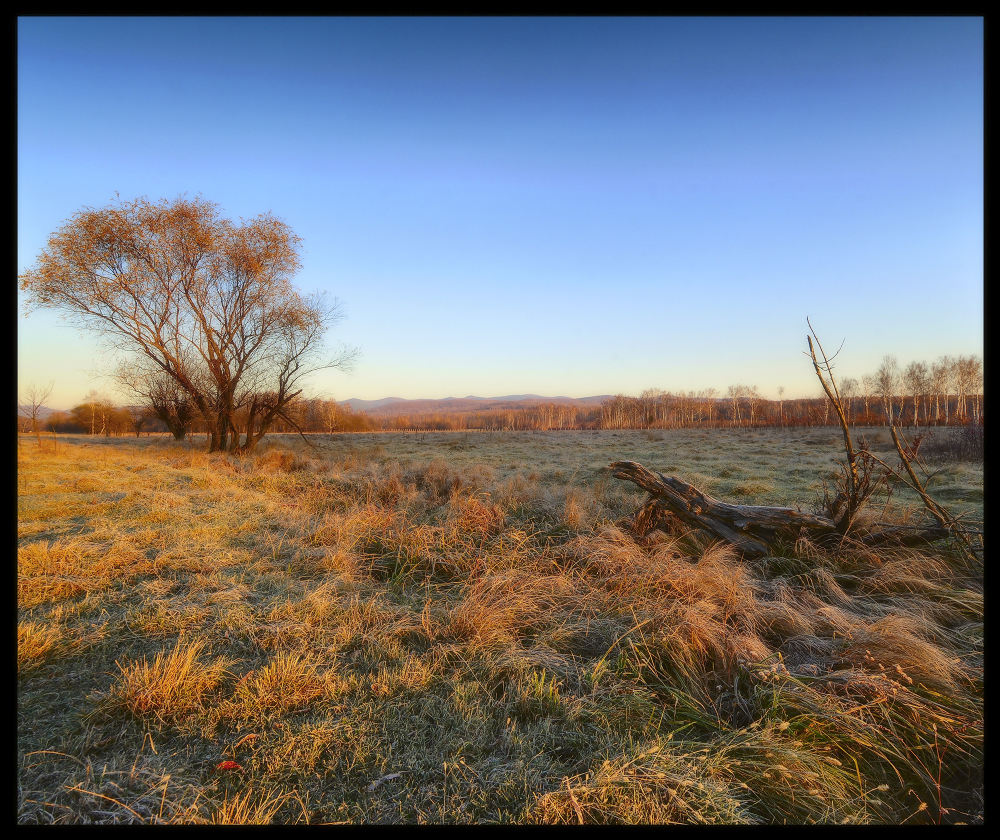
point(461, 628)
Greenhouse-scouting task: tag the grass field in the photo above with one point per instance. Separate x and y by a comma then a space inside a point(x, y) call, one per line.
point(458, 627)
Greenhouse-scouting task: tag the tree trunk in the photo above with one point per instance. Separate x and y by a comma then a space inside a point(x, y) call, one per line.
point(219, 436)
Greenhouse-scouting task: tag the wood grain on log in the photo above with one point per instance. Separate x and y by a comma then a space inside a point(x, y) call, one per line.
point(750, 528)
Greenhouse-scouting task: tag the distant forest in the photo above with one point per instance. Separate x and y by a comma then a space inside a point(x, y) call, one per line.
point(947, 392)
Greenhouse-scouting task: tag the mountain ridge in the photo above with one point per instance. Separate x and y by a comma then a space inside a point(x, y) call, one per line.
point(399, 405)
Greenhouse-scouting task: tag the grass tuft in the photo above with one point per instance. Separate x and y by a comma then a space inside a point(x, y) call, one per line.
point(171, 688)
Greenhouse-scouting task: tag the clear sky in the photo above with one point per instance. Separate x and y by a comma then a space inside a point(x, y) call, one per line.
point(555, 206)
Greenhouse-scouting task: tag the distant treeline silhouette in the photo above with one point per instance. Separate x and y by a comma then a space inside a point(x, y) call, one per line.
point(945, 393)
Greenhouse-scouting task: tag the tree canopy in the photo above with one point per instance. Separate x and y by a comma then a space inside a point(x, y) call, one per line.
point(189, 295)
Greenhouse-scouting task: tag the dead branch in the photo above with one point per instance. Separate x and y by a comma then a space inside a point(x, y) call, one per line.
point(857, 489)
point(945, 520)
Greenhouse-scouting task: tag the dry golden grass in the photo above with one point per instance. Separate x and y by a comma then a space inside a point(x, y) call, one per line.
point(35, 642)
point(170, 689)
point(249, 808)
point(459, 628)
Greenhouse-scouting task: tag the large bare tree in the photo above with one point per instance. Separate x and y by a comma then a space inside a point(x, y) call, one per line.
point(206, 301)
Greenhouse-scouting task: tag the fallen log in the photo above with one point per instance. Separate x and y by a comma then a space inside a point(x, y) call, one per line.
point(750, 528)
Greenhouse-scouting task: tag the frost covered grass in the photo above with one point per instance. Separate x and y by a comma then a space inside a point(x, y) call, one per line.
point(459, 627)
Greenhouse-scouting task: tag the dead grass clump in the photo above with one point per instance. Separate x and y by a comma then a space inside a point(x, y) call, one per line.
point(905, 571)
point(895, 644)
point(250, 808)
point(172, 687)
point(35, 644)
point(718, 577)
point(505, 606)
point(821, 581)
point(362, 456)
point(412, 676)
point(578, 510)
point(363, 529)
point(436, 480)
point(280, 460)
point(67, 568)
point(160, 619)
point(654, 578)
point(367, 619)
point(780, 620)
point(698, 642)
point(657, 785)
point(785, 780)
point(518, 491)
point(753, 488)
point(609, 555)
point(473, 517)
point(389, 491)
point(290, 681)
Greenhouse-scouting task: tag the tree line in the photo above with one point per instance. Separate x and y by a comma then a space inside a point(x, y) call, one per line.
point(946, 392)
point(98, 415)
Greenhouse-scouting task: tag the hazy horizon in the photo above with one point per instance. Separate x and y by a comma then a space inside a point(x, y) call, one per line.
point(556, 206)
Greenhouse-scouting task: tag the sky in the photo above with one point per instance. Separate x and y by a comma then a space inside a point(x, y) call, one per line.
point(562, 206)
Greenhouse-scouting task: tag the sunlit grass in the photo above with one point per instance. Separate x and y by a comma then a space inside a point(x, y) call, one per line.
point(460, 628)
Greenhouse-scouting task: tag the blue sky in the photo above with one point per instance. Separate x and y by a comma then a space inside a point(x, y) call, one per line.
point(556, 206)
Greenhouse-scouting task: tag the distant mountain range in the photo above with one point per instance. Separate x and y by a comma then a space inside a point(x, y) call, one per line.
point(43, 411)
point(394, 406)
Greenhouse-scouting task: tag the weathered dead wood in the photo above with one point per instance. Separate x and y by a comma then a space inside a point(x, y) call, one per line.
point(750, 528)
point(907, 535)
